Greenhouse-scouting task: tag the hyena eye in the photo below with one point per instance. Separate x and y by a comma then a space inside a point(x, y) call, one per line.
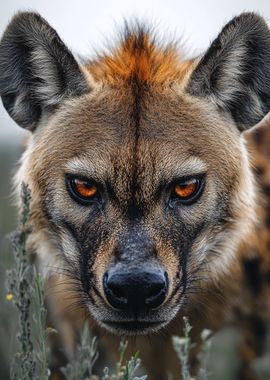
point(188, 190)
point(82, 190)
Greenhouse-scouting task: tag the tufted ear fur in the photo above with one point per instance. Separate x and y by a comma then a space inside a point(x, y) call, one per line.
point(37, 71)
point(234, 73)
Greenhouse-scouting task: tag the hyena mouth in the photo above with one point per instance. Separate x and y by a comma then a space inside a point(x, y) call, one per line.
point(134, 327)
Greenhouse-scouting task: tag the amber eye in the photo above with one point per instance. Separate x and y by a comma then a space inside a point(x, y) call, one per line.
point(82, 190)
point(188, 190)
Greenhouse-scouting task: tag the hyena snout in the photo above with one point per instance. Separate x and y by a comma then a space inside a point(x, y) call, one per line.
point(137, 290)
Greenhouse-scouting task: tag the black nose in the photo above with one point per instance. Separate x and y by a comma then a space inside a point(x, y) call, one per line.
point(136, 291)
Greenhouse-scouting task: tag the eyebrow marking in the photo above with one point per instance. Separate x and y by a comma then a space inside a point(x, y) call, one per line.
point(190, 166)
point(84, 167)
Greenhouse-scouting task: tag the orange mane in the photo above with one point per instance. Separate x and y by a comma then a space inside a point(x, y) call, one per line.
point(138, 57)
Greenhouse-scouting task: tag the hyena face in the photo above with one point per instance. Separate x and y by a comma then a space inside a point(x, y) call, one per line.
point(139, 175)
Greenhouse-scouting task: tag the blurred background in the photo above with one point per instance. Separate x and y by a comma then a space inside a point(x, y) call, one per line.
point(86, 26)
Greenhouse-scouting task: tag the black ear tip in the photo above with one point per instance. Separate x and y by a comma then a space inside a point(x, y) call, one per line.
point(25, 20)
point(26, 16)
point(246, 16)
point(252, 20)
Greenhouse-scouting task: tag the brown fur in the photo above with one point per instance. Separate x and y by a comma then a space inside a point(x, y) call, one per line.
point(137, 128)
point(116, 156)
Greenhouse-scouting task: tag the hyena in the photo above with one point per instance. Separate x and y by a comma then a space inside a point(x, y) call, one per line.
point(150, 198)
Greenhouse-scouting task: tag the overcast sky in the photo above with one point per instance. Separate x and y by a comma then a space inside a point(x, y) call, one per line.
point(85, 25)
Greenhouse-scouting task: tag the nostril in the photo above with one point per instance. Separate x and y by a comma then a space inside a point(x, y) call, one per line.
point(117, 290)
point(157, 292)
point(156, 288)
point(114, 292)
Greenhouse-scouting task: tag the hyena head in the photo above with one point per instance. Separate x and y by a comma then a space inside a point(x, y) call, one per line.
point(141, 186)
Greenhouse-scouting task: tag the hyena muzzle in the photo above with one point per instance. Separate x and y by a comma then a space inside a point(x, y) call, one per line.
point(142, 190)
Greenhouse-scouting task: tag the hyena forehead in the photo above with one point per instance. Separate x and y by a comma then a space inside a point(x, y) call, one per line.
point(98, 133)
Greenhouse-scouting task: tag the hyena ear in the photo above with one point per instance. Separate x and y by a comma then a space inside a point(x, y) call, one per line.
point(37, 71)
point(234, 73)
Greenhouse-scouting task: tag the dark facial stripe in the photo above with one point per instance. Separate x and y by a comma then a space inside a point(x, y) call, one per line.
point(90, 236)
point(135, 210)
point(87, 236)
